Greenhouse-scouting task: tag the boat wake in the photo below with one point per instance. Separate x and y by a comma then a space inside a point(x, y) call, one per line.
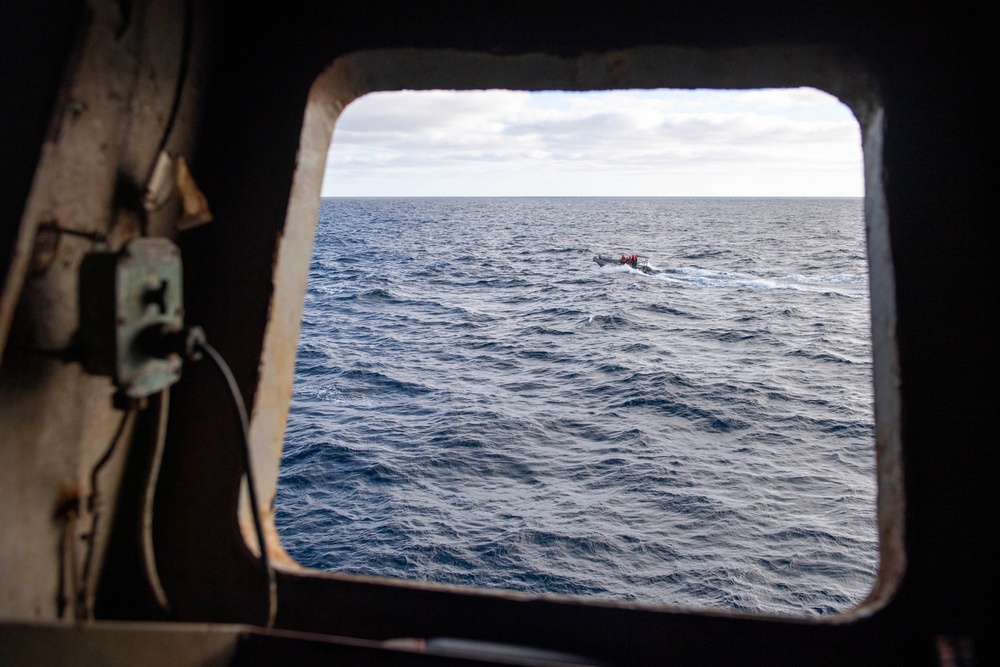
point(846, 285)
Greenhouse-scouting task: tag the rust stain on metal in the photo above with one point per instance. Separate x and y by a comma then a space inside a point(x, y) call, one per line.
point(275, 552)
point(196, 211)
point(617, 68)
point(46, 245)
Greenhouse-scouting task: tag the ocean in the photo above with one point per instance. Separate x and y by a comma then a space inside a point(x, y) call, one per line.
point(478, 403)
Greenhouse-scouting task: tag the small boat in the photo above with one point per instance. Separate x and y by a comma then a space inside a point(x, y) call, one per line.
point(640, 263)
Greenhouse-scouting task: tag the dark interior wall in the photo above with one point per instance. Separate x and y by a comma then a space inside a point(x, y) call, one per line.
point(925, 64)
point(943, 243)
point(33, 58)
point(932, 68)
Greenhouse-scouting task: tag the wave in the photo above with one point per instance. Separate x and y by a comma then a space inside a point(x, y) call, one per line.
point(699, 435)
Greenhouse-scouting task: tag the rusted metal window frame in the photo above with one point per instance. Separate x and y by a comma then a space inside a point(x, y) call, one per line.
point(356, 74)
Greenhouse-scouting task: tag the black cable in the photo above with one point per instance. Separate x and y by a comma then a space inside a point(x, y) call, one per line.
point(241, 409)
point(85, 605)
point(92, 500)
point(182, 70)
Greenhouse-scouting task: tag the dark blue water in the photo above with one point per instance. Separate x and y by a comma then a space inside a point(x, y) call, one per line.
point(478, 403)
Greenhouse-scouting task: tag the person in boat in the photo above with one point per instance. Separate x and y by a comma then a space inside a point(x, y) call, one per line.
point(633, 260)
point(624, 259)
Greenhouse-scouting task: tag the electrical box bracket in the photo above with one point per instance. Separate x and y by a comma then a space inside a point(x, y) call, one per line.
point(127, 299)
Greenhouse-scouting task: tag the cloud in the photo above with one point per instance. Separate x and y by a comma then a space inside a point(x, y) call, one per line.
point(784, 142)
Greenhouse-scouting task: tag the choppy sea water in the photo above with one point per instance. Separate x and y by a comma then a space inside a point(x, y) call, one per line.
point(478, 403)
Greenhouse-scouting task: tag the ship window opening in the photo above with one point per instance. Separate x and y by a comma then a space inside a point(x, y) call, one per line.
point(477, 402)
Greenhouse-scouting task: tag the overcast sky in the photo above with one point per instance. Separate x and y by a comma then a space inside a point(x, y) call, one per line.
point(787, 143)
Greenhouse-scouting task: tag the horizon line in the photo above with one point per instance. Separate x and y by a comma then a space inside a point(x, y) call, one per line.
point(592, 196)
